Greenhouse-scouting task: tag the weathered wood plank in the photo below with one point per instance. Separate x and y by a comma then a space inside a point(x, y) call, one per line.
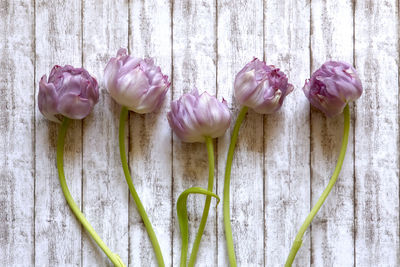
point(48, 234)
point(17, 168)
point(104, 191)
point(240, 37)
point(332, 235)
point(150, 138)
point(57, 232)
point(286, 133)
point(376, 134)
point(194, 59)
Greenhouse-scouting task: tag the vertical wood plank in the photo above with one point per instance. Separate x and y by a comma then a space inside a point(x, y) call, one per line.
point(194, 65)
point(376, 134)
point(17, 168)
point(104, 191)
point(150, 137)
point(332, 235)
point(286, 133)
point(240, 37)
point(57, 232)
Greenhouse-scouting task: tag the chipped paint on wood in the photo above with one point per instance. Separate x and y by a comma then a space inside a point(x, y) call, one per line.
point(57, 232)
point(332, 232)
point(104, 191)
point(194, 58)
point(377, 134)
point(240, 37)
point(150, 138)
point(17, 162)
point(287, 133)
point(282, 161)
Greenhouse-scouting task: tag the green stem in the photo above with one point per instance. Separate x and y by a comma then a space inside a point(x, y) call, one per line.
point(135, 196)
point(229, 159)
point(298, 240)
point(196, 244)
point(115, 259)
point(181, 210)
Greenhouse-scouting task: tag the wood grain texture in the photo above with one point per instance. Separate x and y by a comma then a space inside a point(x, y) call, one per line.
point(377, 134)
point(282, 161)
point(332, 231)
point(17, 168)
point(104, 191)
point(150, 138)
point(57, 232)
point(194, 65)
point(286, 133)
point(240, 37)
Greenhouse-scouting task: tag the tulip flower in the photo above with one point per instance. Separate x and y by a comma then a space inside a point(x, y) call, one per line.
point(198, 118)
point(262, 88)
point(329, 89)
point(70, 93)
point(332, 86)
point(137, 85)
point(194, 116)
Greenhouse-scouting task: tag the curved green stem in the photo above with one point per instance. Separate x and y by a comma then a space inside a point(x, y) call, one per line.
point(196, 244)
point(115, 259)
point(181, 211)
point(298, 240)
point(135, 196)
point(226, 206)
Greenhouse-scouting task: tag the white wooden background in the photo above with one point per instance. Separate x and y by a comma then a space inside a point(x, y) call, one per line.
point(282, 162)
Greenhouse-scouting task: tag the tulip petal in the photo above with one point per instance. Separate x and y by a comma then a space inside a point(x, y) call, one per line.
point(73, 106)
point(47, 99)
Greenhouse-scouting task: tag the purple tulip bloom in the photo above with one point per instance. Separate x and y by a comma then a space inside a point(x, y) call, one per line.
point(69, 91)
point(332, 86)
point(261, 87)
point(194, 117)
point(135, 83)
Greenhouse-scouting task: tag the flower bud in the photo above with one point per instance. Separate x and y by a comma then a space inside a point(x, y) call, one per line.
point(135, 83)
point(261, 87)
point(69, 91)
point(332, 86)
point(194, 117)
